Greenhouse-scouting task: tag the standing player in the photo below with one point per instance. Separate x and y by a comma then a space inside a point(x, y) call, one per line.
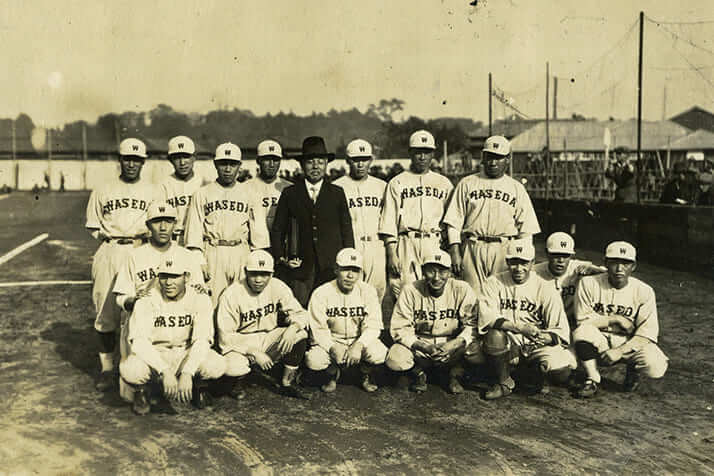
point(222, 222)
point(345, 322)
point(432, 324)
point(249, 331)
point(521, 318)
point(267, 186)
point(414, 205)
point(488, 209)
point(617, 317)
point(180, 186)
point(564, 271)
point(171, 333)
point(365, 197)
point(116, 216)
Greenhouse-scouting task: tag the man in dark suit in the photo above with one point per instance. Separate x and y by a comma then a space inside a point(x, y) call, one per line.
point(318, 210)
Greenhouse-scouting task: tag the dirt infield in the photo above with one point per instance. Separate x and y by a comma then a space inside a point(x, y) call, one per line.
point(53, 421)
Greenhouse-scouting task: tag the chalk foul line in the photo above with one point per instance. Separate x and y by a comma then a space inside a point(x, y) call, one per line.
point(11, 254)
point(41, 283)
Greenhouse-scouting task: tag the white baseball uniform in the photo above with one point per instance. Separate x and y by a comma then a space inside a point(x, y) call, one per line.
point(488, 212)
point(365, 199)
point(636, 302)
point(225, 224)
point(248, 322)
point(178, 193)
point(414, 205)
point(338, 320)
point(116, 215)
point(267, 195)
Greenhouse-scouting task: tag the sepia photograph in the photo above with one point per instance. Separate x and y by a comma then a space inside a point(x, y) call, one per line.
point(412, 237)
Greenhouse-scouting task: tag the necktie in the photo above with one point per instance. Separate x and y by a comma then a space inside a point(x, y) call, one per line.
point(313, 194)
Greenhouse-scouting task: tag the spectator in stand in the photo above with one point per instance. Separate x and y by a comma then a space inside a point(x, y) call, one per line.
point(706, 191)
point(622, 173)
point(676, 191)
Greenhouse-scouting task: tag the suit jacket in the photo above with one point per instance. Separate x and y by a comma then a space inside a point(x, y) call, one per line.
point(324, 228)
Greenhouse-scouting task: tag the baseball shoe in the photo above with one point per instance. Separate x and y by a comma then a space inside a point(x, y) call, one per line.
point(497, 391)
point(632, 379)
point(588, 390)
point(201, 398)
point(294, 391)
point(419, 383)
point(106, 381)
point(367, 384)
point(237, 391)
point(331, 385)
point(141, 405)
point(454, 387)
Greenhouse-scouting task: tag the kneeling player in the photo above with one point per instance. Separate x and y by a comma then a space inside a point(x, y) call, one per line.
point(617, 317)
point(521, 316)
point(345, 321)
point(248, 329)
point(432, 324)
point(171, 332)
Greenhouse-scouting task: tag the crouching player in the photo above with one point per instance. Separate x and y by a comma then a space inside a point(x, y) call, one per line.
point(249, 331)
point(171, 333)
point(521, 316)
point(617, 317)
point(345, 322)
point(432, 324)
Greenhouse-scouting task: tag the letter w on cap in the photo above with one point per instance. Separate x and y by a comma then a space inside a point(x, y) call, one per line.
point(563, 244)
point(180, 146)
point(162, 209)
point(353, 258)
point(227, 151)
point(361, 148)
point(423, 139)
point(519, 249)
point(135, 147)
point(169, 263)
point(623, 251)
point(261, 263)
point(271, 148)
point(437, 258)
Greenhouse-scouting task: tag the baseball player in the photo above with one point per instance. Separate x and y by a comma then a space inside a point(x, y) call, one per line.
point(432, 324)
point(365, 198)
point(224, 223)
point(521, 316)
point(414, 205)
point(267, 186)
point(345, 322)
point(487, 210)
point(617, 322)
point(249, 331)
point(180, 186)
point(116, 216)
point(171, 333)
point(564, 271)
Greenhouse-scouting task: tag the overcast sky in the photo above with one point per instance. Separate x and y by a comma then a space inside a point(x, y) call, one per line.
point(69, 60)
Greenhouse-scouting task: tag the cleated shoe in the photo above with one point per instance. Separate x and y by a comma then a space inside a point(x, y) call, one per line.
point(497, 391)
point(419, 383)
point(632, 379)
point(141, 405)
point(106, 381)
point(588, 390)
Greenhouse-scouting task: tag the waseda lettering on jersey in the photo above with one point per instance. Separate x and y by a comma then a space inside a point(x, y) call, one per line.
point(353, 311)
point(360, 202)
point(494, 195)
point(270, 201)
point(422, 315)
point(119, 203)
point(254, 314)
point(183, 200)
point(521, 305)
point(609, 309)
point(173, 321)
point(230, 205)
point(567, 291)
point(423, 191)
point(146, 274)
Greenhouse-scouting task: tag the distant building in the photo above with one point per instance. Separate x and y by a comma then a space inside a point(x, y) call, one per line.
point(695, 118)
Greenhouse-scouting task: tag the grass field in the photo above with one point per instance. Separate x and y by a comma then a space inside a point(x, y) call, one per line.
point(52, 421)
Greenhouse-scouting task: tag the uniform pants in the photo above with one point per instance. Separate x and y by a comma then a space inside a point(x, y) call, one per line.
point(374, 263)
point(105, 266)
point(137, 372)
point(401, 358)
point(225, 266)
point(411, 252)
point(549, 357)
point(237, 363)
point(318, 358)
point(651, 361)
point(480, 260)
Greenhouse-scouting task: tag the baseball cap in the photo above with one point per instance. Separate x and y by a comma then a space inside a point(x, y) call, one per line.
point(560, 242)
point(349, 257)
point(173, 264)
point(359, 148)
point(160, 210)
point(621, 250)
point(228, 151)
point(181, 145)
point(422, 139)
point(270, 148)
point(498, 145)
point(440, 257)
point(522, 249)
point(260, 260)
point(132, 147)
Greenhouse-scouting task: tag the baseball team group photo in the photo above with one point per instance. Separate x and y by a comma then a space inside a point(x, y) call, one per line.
point(467, 280)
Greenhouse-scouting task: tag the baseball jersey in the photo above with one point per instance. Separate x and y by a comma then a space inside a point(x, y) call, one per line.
point(336, 316)
point(225, 213)
point(533, 302)
point(178, 193)
point(414, 202)
point(118, 209)
point(267, 195)
point(242, 311)
point(365, 200)
point(419, 314)
point(490, 207)
point(636, 302)
point(138, 273)
point(566, 283)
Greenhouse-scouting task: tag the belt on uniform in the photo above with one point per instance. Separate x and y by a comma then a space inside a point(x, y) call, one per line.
point(436, 339)
point(124, 240)
point(421, 234)
point(166, 345)
point(490, 239)
point(223, 242)
point(369, 238)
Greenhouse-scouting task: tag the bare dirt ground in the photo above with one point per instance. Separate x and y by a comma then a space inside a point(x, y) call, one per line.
point(52, 421)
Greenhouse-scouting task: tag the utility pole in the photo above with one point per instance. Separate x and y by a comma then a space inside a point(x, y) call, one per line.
point(555, 97)
point(84, 155)
point(547, 130)
point(14, 155)
point(490, 106)
point(639, 109)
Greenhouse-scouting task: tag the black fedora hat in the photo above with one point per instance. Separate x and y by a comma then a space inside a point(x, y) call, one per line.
point(314, 146)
